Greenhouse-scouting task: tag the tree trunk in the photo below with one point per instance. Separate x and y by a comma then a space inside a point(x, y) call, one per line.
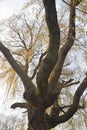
point(37, 119)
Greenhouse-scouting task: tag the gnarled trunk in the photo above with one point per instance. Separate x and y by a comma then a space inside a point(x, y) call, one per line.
point(37, 119)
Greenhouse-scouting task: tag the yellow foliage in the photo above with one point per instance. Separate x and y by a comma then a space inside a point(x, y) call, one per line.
point(10, 76)
point(22, 127)
point(29, 53)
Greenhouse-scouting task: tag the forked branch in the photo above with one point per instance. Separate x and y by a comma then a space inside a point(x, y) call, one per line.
point(65, 49)
point(55, 120)
point(54, 43)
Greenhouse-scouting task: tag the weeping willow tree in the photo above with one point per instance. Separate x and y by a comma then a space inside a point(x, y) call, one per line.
point(45, 93)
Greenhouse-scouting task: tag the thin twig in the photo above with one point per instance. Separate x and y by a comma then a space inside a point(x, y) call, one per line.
point(35, 70)
point(75, 7)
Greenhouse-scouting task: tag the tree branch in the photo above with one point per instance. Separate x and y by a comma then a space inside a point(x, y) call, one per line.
point(54, 42)
point(55, 120)
point(68, 106)
point(20, 105)
point(64, 50)
point(29, 86)
point(37, 67)
point(77, 2)
point(69, 83)
point(22, 40)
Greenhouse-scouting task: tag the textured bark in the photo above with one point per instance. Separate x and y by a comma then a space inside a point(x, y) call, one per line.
point(28, 85)
point(37, 118)
point(39, 98)
point(65, 49)
point(55, 119)
point(54, 42)
point(38, 124)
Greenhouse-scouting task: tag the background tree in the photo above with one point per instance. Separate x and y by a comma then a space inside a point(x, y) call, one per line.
point(46, 91)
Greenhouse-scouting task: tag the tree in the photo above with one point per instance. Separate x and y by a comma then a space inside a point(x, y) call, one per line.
point(47, 90)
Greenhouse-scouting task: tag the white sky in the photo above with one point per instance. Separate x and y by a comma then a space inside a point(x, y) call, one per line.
point(9, 7)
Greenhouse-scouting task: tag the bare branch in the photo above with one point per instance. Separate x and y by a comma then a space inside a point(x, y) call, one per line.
point(69, 83)
point(22, 74)
point(37, 67)
point(22, 40)
point(68, 106)
point(20, 105)
point(64, 50)
point(73, 108)
point(76, 3)
point(74, 83)
point(54, 43)
point(19, 35)
point(30, 30)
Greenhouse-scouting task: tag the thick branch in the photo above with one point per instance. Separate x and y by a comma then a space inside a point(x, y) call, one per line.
point(29, 86)
point(20, 105)
point(55, 120)
point(52, 54)
point(64, 50)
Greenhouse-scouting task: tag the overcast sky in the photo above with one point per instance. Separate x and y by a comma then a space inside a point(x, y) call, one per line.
point(9, 7)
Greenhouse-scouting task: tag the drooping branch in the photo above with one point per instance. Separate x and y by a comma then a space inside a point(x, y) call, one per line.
point(20, 105)
point(54, 42)
point(29, 86)
point(65, 49)
point(55, 120)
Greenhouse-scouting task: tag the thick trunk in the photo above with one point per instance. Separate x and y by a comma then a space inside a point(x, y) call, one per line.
point(37, 119)
point(38, 122)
